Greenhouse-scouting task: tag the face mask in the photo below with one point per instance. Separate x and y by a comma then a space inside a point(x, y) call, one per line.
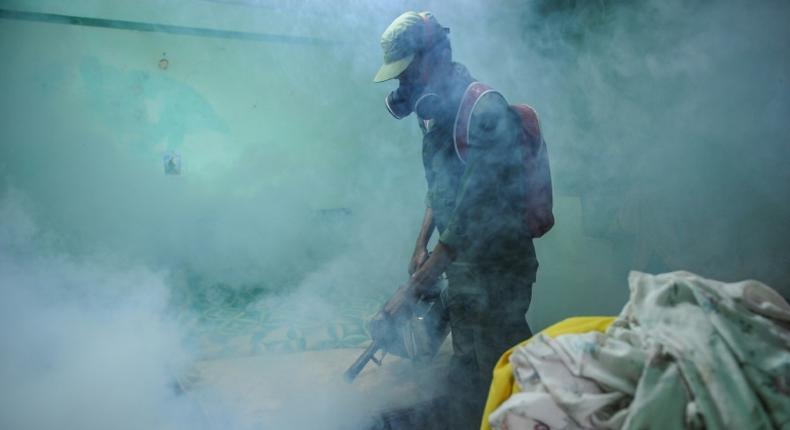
point(412, 98)
point(401, 102)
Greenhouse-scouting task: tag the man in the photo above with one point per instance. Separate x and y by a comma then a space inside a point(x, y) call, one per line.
point(477, 205)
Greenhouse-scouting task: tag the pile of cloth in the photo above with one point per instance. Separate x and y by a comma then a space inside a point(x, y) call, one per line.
point(685, 352)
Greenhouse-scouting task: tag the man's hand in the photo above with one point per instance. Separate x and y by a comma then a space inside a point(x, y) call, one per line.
point(418, 258)
point(423, 281)
point(399, 301)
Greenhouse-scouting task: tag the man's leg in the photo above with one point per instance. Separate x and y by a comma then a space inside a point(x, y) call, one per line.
point(504, 324)
point(467, 391)
point(487, 317)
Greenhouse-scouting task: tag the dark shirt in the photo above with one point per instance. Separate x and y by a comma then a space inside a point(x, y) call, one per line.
point(479, 207)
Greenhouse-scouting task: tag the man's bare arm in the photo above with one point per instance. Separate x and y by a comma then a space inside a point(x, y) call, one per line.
point(420, 254)
point(424, 270)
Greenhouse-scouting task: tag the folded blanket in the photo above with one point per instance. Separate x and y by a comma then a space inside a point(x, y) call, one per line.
point(685, 352)
point(504, 384)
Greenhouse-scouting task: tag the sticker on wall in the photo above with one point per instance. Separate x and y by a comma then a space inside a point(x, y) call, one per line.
point(164, 63)
point(172, 163)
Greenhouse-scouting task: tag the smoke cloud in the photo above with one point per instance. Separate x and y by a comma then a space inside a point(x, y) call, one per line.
point(86, 340)
point(299, 198)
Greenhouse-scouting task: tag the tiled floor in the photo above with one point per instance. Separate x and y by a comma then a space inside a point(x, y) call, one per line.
point(279, 327)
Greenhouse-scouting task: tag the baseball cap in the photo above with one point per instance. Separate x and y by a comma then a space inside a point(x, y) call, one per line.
point(403, 39)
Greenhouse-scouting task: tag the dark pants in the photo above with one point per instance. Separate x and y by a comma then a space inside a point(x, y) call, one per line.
point(487, 317)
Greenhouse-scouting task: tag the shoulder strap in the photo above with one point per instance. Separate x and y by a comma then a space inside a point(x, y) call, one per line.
point(463, 117)
point(530, 125)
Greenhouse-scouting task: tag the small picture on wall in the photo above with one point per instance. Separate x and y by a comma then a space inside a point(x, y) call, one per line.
point(172, 162)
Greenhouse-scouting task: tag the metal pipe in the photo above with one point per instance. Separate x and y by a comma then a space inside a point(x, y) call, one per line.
point(157, 28)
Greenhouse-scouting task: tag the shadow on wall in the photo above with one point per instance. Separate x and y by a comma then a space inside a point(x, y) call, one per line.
point(671, 132)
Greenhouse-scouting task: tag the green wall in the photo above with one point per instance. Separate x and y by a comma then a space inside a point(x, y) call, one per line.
point(292, 167)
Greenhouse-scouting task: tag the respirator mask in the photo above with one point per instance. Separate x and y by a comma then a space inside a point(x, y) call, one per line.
point(415, 98)
point(414, 94)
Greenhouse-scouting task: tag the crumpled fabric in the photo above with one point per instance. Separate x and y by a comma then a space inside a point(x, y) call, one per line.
point(685, 352)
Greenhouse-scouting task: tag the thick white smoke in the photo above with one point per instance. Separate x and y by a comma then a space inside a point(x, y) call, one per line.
point(86, 341)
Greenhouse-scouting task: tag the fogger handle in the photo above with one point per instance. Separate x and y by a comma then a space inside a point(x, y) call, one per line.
point(361, 362)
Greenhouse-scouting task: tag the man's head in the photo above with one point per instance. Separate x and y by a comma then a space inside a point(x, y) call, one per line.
point(416, 49)
point(413, 43)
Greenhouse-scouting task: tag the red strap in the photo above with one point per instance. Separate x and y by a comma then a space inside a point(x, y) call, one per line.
point(427, 39)
point(530, 124)
point(427, 36)
point(473, 92)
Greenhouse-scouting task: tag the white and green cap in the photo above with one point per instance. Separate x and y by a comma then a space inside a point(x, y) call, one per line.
point(403, 39)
